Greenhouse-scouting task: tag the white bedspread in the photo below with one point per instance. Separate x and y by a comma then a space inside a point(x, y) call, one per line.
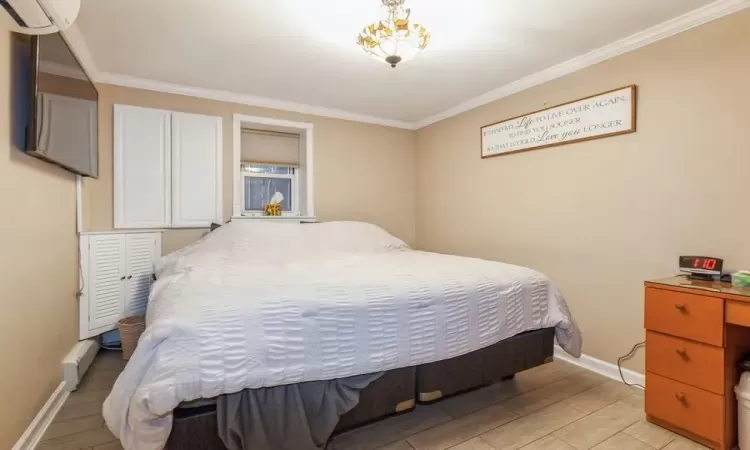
point(260, 304)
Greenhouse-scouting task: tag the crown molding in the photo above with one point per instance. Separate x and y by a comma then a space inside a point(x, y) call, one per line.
point(77, 42)
point(250, 100)
point(692, 19)
point(61, 70)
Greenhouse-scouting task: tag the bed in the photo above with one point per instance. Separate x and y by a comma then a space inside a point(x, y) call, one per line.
point(256, 305)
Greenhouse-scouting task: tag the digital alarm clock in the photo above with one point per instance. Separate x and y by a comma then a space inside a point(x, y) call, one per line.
point(704, 267)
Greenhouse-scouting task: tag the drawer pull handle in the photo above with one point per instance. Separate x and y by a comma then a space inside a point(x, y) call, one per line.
point(683, 353)
point(680, 397)
point(681, 307)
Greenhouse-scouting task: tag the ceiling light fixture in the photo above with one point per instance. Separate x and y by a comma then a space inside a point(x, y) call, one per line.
point(395, 38)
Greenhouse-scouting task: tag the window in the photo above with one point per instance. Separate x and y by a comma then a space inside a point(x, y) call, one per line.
point(261, 182)
point(270, 156)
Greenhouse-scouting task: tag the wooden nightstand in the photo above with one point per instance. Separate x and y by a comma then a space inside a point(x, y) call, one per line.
point(696, 332)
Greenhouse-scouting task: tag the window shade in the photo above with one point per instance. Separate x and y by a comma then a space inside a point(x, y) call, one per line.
point(270, 147)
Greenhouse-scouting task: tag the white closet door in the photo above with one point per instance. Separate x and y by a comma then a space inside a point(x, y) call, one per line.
point(142, 167)
point(196, 170)
point(141, 250)
point(106, 282)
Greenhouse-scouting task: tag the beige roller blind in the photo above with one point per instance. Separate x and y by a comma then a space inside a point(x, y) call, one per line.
point(270, 147)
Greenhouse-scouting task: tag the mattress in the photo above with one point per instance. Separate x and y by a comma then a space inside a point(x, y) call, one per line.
point(259, 304)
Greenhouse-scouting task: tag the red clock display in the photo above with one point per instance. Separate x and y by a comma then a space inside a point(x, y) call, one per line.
point(705, 263)
point(701, 264)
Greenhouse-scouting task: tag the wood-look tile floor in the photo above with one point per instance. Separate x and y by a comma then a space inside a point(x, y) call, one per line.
point(79, 423)
point(554, 407)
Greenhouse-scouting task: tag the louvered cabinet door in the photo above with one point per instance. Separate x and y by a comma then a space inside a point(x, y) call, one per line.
point(141, 251)
point(106, 286)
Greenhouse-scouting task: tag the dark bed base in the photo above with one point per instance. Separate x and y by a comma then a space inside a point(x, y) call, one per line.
point(392, 393)
point(397, 391)
point(485, 366)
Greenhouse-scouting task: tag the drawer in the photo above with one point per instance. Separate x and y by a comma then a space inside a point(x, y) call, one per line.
point(693, 363)
point(738, 313)
point(690, 316)
point(686, 407)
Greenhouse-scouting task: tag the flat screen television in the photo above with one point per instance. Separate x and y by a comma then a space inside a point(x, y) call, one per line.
point(61, 105)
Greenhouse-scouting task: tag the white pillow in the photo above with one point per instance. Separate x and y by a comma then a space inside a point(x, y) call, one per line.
point(263, 241)
point(325, 237)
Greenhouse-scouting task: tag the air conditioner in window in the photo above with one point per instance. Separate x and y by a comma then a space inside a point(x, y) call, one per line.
point(41, 16)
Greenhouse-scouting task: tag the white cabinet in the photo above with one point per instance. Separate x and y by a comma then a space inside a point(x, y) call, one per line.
point(167, 168)
point(116, 270)
point(196, 170)
point(142, 167)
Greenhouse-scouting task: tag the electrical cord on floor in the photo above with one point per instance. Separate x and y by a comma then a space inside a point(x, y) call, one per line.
point(627, 357)
point(106, 347)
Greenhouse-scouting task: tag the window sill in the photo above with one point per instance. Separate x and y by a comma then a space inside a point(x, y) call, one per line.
point(277, 218)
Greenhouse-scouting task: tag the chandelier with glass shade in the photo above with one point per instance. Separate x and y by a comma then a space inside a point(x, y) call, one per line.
point(395, 38)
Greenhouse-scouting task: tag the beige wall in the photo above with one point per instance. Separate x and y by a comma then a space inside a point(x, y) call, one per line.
point(362, 172)
point(38, 272)
point(601, 217)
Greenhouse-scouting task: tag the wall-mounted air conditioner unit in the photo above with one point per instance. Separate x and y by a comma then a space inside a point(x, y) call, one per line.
point(41, 16)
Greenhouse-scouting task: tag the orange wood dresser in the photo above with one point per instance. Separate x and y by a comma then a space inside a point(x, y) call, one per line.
point(696, 332)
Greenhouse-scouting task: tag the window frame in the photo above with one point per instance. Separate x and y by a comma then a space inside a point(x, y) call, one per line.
point(294, 177)
point(305, 175)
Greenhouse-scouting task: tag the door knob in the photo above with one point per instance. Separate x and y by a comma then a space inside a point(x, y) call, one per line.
point(130, 276)
point(681, 307)
point(680, 397)
point(682, 352)
point(122, 277)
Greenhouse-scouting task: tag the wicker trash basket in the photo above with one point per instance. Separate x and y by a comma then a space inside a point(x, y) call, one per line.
point(131, 329)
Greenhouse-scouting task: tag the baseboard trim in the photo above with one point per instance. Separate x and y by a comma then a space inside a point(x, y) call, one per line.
point(33, 434)
point(603, 368)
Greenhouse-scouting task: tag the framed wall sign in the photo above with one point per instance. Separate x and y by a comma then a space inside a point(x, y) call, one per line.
point(608, 114)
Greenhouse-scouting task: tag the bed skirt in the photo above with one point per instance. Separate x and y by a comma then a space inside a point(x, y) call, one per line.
point(397, 391)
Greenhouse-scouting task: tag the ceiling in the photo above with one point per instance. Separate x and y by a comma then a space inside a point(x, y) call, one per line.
point(303, 51)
